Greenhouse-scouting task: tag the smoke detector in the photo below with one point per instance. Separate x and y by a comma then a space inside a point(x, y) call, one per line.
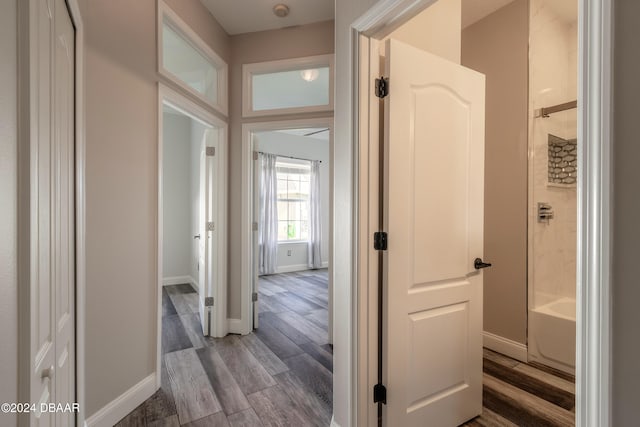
point(281, 10)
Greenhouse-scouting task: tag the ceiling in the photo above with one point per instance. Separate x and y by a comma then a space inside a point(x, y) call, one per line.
point(247, 16)
point(314, 133)
point(475, 10)
point(567, 10)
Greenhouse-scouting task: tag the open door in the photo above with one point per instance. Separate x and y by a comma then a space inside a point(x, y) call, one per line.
point(433, 213)
point(208, 232)
point(256, 238)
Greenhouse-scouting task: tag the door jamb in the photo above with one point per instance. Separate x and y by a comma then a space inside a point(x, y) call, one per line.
point(190, 108)
point(593, 350)
point(246, 320)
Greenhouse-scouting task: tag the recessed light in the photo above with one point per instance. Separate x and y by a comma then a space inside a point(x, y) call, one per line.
point(281, 10)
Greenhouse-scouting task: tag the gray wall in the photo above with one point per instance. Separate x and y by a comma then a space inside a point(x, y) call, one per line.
point(294, 42)
point(176, 198)
point(498, 47)
point(626, 237)
point(121, 183)
point(8, 209)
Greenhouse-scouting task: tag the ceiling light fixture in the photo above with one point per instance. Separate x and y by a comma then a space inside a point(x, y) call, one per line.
point(281, 10)
point(309, 75)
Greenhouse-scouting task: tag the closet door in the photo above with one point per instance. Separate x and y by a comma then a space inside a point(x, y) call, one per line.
point(52, 208)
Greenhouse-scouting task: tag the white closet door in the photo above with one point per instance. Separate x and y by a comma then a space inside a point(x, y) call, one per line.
point(52, 207)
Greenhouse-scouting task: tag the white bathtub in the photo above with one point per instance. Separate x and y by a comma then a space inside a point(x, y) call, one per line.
point(552, 334)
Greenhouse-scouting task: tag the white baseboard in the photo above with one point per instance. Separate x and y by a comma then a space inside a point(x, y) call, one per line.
point(179, 280)
point(505, 346)
point(122, 405)
point(297, 267)
point(291, 268)
point(333, 422)
point(234, 326)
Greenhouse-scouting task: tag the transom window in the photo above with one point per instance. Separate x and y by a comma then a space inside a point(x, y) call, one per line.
point(188, 61)
point(290, 86)
point(293, 200)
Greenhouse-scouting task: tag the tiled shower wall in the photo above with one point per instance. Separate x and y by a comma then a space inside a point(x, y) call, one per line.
point(552, 80)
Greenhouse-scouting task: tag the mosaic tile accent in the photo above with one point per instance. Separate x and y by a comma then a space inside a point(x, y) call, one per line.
point(563, 160)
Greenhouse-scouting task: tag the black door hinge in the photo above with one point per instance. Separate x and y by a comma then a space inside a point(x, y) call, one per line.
point(380, 241)
point(382, 87)
point(379, 394)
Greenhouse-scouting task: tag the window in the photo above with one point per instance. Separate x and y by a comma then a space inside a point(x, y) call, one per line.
point(293, 200)
point(299, 85)
point(189, 62)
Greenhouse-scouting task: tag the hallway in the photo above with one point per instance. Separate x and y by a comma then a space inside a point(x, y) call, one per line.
point(279, 375)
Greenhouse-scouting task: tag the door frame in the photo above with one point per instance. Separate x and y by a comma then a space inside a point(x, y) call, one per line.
point(196, 112)
point(244, 325)
point(593, 297)
point(27, 21)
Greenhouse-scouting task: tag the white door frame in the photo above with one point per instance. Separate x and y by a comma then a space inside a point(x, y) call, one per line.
point(244, 325)
point(27, 21)
point(195, 111)
point(593, 298)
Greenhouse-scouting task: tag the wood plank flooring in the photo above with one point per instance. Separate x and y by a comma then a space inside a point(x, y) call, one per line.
point(521, 394)
point(281, 375)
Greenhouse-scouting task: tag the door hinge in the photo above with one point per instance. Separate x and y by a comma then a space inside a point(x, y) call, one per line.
point(211, 151)
point(208, 301)
point(382, 87)
point(380, 240)
point(211, 226)
point(379, 394)
point(255, 155)
point(254, 297)
point(255, 226)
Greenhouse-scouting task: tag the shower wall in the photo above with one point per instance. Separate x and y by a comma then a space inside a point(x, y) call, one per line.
point(552, 80)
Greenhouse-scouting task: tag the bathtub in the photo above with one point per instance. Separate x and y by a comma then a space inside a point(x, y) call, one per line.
point(552, 334)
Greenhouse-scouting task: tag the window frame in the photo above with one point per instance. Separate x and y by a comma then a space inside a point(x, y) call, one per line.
point(289, 200)
point(166, 14)
point(294, 64)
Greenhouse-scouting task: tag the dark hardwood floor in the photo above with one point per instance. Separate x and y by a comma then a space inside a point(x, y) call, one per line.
point(281, 375)
point(522, 394)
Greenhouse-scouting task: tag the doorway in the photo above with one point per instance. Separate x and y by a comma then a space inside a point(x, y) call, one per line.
point(290, 230)
point(191, 226)
point(370, 163)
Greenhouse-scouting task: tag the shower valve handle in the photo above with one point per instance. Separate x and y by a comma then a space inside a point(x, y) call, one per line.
point(478, 264)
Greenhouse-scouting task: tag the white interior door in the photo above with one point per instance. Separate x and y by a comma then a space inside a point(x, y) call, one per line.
point(256, 221)
point(207, 280)
point(433, 213)
point(52, 299)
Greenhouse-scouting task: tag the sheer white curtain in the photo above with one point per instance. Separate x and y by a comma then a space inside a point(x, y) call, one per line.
point(315, 219)
point(268, 223)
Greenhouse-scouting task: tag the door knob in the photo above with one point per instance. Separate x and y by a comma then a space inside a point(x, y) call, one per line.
point(197, 236)
point(47, 373)
point(478, 264)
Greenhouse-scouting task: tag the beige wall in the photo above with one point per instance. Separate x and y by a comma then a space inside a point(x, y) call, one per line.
point(121, 183)
point(437, 29)
point(8, 209)
point(497, 46)
point(626, 205)
point(314, 39)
